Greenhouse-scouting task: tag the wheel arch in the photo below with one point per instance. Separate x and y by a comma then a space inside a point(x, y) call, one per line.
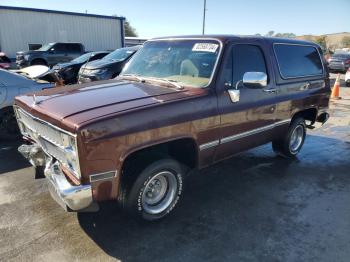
point(39, 59)
point(309, 114)
point(173, 148)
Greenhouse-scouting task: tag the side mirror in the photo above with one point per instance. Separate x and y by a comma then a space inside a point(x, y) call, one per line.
point(52, 51)
point(255, 79)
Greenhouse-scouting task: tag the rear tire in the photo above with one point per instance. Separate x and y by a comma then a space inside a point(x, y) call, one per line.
point(290, 145)
point(155, 191)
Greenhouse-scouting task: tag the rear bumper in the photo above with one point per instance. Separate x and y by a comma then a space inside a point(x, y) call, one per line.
point(338, 67)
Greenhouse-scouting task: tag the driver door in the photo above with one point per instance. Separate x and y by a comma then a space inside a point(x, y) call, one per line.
point(249, 122)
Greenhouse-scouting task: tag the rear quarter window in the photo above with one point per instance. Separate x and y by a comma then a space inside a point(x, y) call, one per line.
point(296, 61)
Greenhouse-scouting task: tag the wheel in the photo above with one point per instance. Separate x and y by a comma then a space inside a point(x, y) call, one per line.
point(38, 62)
point(290, 145)
point(156, 190)
point(8, 125)
point(348, 83)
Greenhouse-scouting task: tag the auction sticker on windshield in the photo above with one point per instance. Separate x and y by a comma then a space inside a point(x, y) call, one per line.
point(205, 47)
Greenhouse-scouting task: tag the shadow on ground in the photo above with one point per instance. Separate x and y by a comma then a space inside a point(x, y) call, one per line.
point(10, 159)
point(252, 207)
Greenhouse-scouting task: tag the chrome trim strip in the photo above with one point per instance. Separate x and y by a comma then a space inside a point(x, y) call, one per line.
point(103, 176)
point(209, 145)
point(243, 135)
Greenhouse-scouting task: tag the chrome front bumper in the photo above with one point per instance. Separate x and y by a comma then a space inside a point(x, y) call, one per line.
point(70, 197)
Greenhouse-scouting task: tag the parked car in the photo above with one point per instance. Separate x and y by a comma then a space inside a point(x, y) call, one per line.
point(180, 103)
point(11, 85)
point(50, 54)
point(5, 62)
point(108, 67)
point(339, 62)
point(69, 71)
point(347, 78)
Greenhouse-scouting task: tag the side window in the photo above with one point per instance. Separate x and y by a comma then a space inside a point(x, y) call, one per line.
point(298, 60)
point(59, 48)
point(73, 48)
point(247, 58)
point(98, 56)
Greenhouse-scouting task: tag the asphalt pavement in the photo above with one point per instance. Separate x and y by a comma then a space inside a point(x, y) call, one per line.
point(255, 206)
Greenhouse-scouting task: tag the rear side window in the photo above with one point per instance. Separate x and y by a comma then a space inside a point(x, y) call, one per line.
point(60, 48)
point(298, 60)
point(247, 58)
point(73, 48)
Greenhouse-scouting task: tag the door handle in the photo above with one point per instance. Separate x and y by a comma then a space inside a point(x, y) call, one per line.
point(270, 90)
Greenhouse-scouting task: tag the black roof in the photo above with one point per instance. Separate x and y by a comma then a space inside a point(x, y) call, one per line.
point(225, 38)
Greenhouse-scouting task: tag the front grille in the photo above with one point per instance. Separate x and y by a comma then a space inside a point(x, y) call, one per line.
point(19, 57)
point(50, 138)
point(40, 128)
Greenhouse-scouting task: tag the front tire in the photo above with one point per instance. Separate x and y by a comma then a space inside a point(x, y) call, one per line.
point(290, 145)
point(156, 190)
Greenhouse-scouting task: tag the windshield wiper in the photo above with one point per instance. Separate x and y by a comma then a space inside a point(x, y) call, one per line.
point(168, 81)
point(131, 77)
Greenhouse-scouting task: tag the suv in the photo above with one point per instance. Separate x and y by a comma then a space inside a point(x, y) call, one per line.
point(339, 62)
point(50, 54)
point(179, 103)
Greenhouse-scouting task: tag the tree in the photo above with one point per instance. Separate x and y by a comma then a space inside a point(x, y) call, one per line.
point(129, 30)
point(270, 33)
point(322, 41)
point(346, 41)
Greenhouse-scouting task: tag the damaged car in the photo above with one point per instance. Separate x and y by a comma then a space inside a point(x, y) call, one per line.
point(69, 71)
point(12, 84)
point(108, 67)
point(5, 62)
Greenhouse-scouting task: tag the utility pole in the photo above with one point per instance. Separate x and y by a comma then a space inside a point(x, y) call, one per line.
point(204, 12)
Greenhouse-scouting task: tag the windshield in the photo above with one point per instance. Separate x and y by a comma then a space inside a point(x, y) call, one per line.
point(187, 62)
point(84, 58)
point(120, 54)
point(46, 47)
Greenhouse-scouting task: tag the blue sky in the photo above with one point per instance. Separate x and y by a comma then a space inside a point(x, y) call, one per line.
point(154, 18)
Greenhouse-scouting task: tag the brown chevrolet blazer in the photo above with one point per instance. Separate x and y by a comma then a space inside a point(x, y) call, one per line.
point(180, 103)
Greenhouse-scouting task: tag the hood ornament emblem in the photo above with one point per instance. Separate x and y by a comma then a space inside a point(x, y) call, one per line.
point(35, 101)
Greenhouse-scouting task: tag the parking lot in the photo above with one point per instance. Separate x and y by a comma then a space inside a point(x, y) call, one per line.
point(253, 207)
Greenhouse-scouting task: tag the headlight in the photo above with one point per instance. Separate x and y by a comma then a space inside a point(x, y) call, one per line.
point(98, 71)
point(71, 154)
point(26, 57)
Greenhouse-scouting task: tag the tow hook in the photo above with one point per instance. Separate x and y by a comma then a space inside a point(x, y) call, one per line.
point(36, 156)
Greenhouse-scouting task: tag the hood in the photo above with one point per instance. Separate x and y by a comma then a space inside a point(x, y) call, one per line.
point(64, 65)
point(73, 106)
point(32, 52)
point(97, 64)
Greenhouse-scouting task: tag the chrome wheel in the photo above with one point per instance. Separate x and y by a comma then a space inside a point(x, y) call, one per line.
point(159, 192)
point(296, 139)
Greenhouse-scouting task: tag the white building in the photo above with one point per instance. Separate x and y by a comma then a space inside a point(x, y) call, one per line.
point(22, 29)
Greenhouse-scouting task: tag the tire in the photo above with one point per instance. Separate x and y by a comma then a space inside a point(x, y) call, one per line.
point(38, 62)
point(347, 83)
point(155, 191)
point(290, 145)
point(8, 125)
